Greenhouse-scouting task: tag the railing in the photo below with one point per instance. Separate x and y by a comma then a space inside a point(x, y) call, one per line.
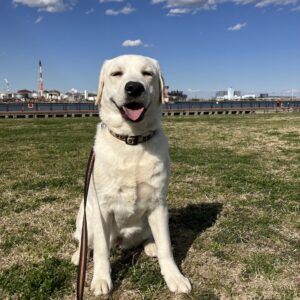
point(34, 110)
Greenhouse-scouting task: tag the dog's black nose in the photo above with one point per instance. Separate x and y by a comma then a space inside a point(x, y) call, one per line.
point(134, 89)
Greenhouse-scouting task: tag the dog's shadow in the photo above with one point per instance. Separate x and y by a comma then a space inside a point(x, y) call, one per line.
point(186, 224)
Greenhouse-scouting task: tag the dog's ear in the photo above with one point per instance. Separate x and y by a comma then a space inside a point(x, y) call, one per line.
point(101, 84)
point(163, 89)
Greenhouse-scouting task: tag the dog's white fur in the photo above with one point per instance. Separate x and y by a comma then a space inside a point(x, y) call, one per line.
point(127, 193)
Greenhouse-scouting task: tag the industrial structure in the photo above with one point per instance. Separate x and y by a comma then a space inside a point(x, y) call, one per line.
point(41, 84)
point(231, 94)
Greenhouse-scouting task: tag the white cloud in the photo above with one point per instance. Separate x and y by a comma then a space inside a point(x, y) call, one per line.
point(237, 27)
point(296, 8)
point(38, 20)
point(178, 11)
point(264, 3)
point(47, 5)
point(132, 43)
point(124, 11)
point(192, 5)
point(196, 5)
point(90, 11)
point(105, 1)
point(136, 43)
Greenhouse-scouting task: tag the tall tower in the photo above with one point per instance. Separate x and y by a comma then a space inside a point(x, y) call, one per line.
point(230, 93)
point(7, 85)
point(41, 84)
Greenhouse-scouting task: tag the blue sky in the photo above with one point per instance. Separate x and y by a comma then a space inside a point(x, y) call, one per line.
point(202, 45)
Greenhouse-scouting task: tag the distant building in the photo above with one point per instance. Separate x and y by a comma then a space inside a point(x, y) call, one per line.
point(74, 96)
point(264, 95)
point(23, 94)
point(89, 96)
point(34, 95)
point(220, 94)
point(249, 96)
point(7, 96)
point(176, 96)
point(52, 95)
point(230, 94)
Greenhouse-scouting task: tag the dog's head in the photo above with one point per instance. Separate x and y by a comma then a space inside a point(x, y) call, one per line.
point(130, 92)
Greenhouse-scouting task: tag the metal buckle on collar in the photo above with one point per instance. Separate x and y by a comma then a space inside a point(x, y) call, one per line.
point(132, 140)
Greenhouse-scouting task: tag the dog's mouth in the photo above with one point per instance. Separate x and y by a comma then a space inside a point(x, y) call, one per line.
point(133, 111)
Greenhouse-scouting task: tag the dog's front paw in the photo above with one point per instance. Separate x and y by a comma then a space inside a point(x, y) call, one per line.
point(101, 286)
point(177, 283)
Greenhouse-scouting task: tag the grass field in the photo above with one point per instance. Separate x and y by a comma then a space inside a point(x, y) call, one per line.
point(234, 201)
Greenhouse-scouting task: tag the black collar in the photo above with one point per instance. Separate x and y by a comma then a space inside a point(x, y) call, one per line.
point(131, 140)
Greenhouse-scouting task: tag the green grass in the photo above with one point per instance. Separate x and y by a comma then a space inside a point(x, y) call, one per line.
point(234, 201)
point(38, 281)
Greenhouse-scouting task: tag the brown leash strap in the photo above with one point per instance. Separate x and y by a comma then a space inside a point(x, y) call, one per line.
point(81, 271)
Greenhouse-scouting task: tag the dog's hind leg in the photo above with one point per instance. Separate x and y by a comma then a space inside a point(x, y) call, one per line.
point(150, 247)
point(135, 235)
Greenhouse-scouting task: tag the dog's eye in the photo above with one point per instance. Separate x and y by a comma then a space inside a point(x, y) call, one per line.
point(117, 74)
point(147, 73)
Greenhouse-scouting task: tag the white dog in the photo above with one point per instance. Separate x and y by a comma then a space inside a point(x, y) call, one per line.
point(127, 193)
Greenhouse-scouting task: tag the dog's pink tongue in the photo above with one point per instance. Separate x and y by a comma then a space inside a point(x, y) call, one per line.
point(133, 114)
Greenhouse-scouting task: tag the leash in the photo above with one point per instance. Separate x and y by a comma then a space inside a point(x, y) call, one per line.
point(81, 270)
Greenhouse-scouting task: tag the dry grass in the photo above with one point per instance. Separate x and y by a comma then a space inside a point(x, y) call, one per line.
point(234, 202)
